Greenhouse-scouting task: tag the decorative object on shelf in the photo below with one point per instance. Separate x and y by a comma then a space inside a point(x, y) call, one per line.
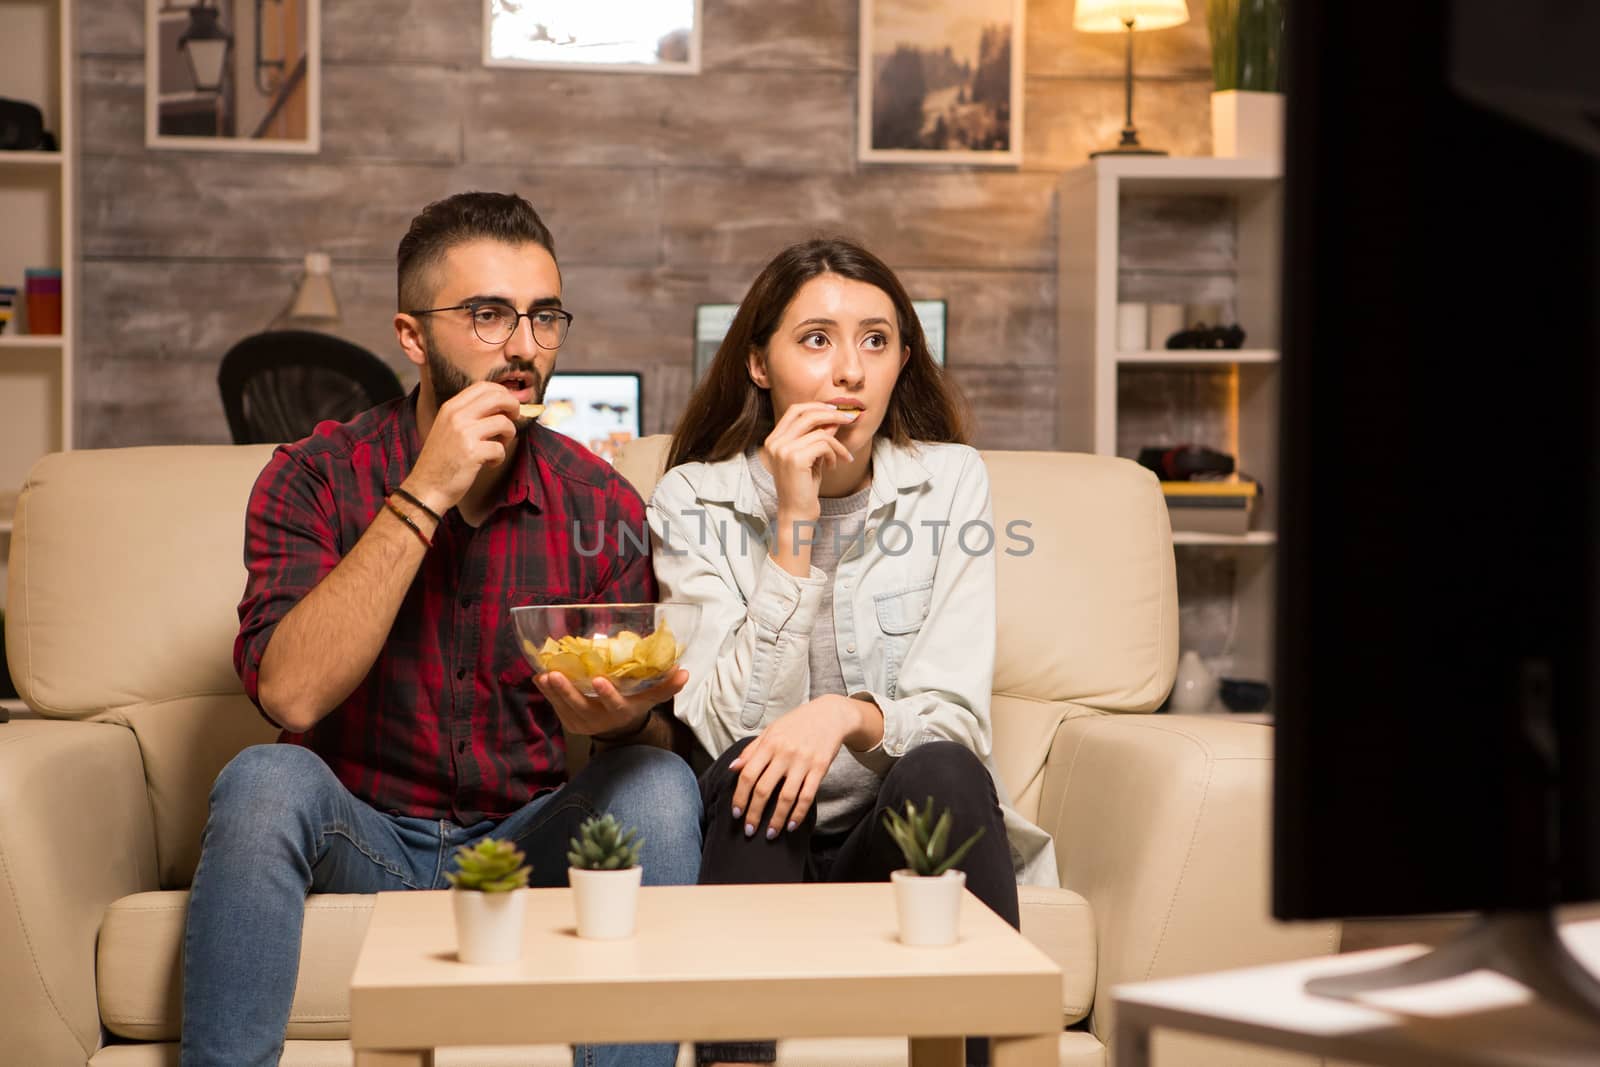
point(488, 887)
point(1133, 327)
point(1247, 104)
point(1211, 506)
point(605, 876)
point(1130, 16)
point(1244, 694)
point(940, 81)
point(633, 36)
point(22, 128)
point(601, 410)
point(927, 891)
point(8, 304)
point(43, 288)
point(1194, 688)
point(202, 92)
point(1202, 336)
point(1165, 320)
point(1181, 463)
point(711, 322)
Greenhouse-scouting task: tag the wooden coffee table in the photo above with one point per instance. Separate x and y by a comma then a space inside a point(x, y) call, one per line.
point(707, 963)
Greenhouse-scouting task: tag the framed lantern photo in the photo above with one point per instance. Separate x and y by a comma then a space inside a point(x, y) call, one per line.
point(639, 36)
point(233, 75)
point(941, 82)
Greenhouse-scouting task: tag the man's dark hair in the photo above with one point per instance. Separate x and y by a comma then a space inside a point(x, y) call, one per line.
point(463, 217)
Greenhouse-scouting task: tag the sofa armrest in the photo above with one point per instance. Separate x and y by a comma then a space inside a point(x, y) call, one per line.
point(75, 834)
point(1162, 823)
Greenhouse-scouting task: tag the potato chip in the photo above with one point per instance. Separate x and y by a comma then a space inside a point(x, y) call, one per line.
point(625, 657)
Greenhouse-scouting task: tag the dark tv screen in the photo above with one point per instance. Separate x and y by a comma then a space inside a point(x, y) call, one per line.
point(1438, 658)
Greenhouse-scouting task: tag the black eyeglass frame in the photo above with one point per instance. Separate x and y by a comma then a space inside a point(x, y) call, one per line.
point(474, 305)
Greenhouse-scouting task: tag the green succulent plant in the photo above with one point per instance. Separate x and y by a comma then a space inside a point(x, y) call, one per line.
point(490, 866)
point(923, 840)
point(602, 845)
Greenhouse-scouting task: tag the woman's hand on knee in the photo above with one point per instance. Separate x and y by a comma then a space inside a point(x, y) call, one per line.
point(786, 763)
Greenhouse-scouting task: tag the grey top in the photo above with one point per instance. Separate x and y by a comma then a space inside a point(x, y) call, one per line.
point(849, 788)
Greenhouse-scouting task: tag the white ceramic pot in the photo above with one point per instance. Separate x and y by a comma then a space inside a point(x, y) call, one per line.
point(1247, 125)
point(1195, 687)
point(489, 925)
point(607, 902)
point(929, 908)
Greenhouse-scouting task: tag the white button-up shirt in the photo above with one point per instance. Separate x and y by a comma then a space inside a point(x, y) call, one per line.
point(913, 606)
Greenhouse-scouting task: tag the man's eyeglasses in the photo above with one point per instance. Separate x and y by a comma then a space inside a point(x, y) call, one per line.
point(494, 322)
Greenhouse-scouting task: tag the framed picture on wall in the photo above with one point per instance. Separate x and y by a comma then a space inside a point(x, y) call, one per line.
point(648, 36)
point(233, 75)
point(941, 81)
point(601, 410)
point(711, 322)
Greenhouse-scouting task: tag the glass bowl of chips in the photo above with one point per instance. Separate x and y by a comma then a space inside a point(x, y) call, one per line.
point(633, 646)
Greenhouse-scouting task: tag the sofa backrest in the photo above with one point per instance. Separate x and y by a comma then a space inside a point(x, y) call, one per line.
point(1087, 598)
point(127, 567)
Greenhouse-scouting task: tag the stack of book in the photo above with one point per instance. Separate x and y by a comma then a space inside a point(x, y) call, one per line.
point(1216, 506)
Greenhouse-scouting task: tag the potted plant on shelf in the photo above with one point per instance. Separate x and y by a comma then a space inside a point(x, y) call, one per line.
point(1246, 66)
point(488, 889)
point(927, 891)
point(605, 876)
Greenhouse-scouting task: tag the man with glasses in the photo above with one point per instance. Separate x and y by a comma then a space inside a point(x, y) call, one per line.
point(383, 556)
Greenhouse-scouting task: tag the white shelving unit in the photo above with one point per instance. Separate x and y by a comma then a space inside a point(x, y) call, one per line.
point(1092, 202)
point(38, 223)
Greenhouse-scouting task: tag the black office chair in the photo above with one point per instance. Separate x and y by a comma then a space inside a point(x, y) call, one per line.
point(277, 386)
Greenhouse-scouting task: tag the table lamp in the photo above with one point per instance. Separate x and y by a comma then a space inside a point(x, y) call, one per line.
point(1116, 16)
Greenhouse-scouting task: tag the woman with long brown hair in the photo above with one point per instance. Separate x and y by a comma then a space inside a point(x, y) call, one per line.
point(824, 509)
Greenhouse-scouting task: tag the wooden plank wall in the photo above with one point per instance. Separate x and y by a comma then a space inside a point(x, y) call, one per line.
point(662, 192)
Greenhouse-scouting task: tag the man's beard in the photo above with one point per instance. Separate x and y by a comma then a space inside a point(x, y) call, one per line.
point(448, 379)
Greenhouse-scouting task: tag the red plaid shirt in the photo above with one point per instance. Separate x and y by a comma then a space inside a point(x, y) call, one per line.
point(448, 723)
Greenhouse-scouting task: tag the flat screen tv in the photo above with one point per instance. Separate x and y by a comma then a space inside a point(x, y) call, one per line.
point(1438, 645)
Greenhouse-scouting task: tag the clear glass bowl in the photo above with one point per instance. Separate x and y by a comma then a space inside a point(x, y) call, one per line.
point(634, 646)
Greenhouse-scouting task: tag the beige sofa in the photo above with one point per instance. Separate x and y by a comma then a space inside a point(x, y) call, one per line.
point(124, 574)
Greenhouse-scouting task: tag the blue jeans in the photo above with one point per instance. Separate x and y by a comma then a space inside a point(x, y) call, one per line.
point(282, 826)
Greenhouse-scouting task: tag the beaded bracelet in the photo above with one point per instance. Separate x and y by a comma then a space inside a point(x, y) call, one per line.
point(407, 519)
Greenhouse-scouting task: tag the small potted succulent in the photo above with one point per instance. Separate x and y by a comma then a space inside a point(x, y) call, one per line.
point(605, 877)
point(927, 891)
point(489, 887)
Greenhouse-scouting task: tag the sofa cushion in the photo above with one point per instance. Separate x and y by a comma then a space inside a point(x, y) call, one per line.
point(140, 953)
point(139, 971)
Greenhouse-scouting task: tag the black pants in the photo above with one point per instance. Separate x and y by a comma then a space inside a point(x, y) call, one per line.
point(944, 770)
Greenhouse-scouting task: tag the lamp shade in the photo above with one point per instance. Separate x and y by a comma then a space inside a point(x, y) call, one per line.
point(314, 299)
point(1113, 16)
